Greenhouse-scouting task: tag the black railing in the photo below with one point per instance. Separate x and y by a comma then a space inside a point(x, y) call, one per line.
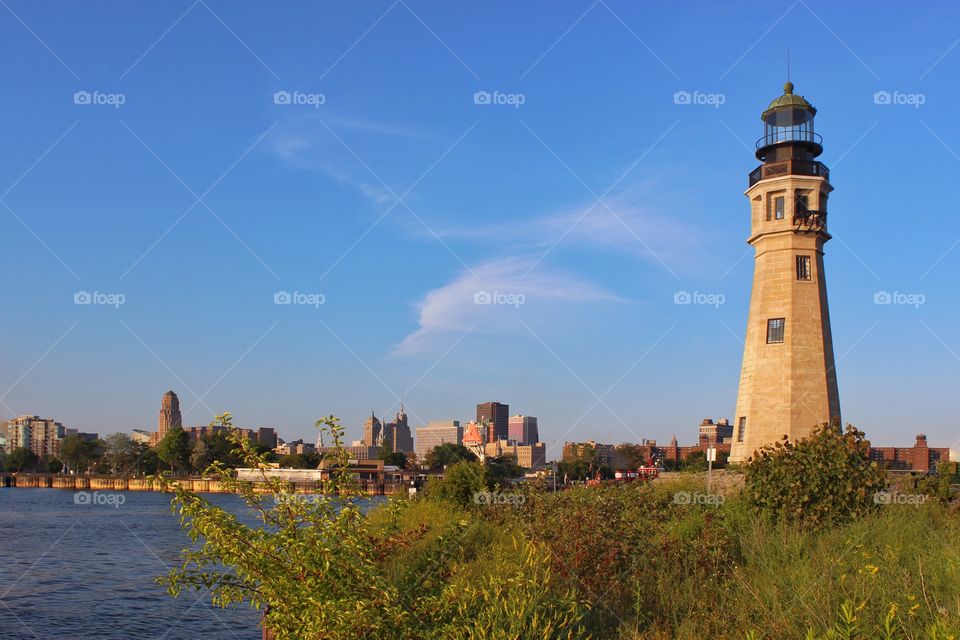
point(789, 167)
point(789, 135)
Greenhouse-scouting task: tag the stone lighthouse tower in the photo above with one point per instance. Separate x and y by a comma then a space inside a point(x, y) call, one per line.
point(788, 383)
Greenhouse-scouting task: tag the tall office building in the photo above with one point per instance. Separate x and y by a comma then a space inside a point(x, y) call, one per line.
point(169, 414)
point(523, 429)
point(436, 433)
point(372, 431)
point(496, 417)
point(397, 433)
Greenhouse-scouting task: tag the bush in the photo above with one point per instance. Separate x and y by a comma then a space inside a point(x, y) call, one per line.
point(460, 483)
point(825, 478)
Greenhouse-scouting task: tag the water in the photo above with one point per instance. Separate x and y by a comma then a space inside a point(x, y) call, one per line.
point(70, 571)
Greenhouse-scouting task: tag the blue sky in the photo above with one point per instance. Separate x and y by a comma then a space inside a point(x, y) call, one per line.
point(582, 195)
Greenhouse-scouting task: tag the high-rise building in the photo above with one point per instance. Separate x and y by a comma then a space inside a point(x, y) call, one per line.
point(372, 431)
point(436, 433)
point(397, 433)
point(40, 435)
point(169, 414)
point(496, 417)
point(523, 429)
point(788, 383)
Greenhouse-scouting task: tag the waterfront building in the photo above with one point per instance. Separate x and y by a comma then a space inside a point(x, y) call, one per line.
point(496, 417)
point(788, 384)
point(437, 432)
point(40, 435)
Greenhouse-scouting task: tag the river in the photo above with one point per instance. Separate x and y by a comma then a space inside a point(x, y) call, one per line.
point(71, 571)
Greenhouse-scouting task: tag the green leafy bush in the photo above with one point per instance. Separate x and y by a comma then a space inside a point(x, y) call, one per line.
point(823, 479)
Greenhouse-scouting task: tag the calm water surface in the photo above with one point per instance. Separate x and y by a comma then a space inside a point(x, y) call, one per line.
point(70, 571)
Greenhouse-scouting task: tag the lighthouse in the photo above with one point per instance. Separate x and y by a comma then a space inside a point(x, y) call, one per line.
point(788, 381)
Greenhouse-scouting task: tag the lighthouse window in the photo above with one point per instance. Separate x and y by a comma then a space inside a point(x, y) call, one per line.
point(741, 428)
point(775, 330)
point(778, 207)
point(803, 268)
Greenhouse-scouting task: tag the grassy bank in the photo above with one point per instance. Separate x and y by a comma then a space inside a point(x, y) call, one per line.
point(646, 565)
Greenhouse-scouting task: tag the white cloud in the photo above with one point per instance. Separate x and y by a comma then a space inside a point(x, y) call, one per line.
point(305, 142)
point(498, 297)
point(622, 223)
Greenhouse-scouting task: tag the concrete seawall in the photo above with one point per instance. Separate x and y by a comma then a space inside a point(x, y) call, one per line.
point(116, 483)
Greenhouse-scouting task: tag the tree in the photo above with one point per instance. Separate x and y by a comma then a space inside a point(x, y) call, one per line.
point(460, 484)
point(220, 448)
point(120, 453)
point(633, 455)
point(77, 454)
point(391, 457)
point(174, 448)
point(823, 479)
point(21, 458)
point(199, 456)
point(146, 461)
point(294, 461)
point(322, 570)
point(54, 466)
point(501, 470)
point(446, 454)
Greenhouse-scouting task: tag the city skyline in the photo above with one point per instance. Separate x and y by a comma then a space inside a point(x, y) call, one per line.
point(265, 234)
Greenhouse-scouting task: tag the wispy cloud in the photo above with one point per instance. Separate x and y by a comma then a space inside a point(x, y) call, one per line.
point(625, 223)
point(306, 143)
point(497, 298)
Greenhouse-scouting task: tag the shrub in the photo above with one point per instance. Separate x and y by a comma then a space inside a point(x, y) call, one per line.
point(461, 481)
point(825, 478)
